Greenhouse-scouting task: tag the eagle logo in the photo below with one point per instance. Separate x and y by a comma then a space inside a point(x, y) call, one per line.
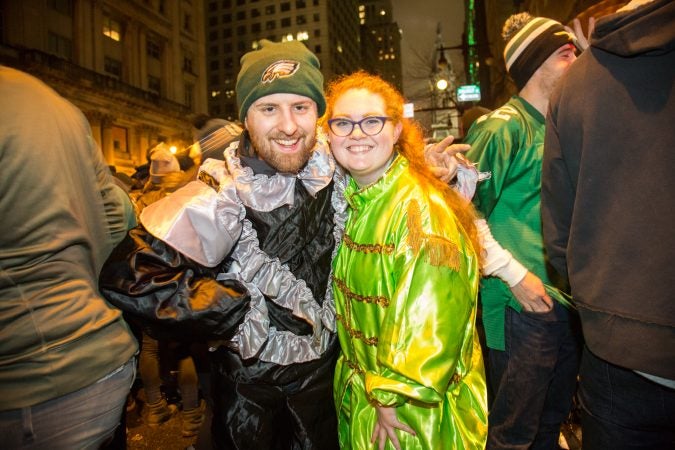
point(280, 69)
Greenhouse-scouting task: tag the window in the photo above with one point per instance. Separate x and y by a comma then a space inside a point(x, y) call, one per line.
point(62, 6)
point(255, 12)
point(187, 63)
point(60, 46)
point(227, 32)
point(300, 3)
point(315, 2)
point(153, 49)
point(213, 35)
point(161, 7)
point(241, 30)
point(215, 65)
point(213, 6)
point(228, 63)
point(317, 33)
point(300, 20)
point(111, 28)
point(241, 15)
point(317, 49)
point(227, 47)
point(187, 23)
point(227, 3)
point(227, 18)
point(213, 21)
point(286, 22)
point(241, 2)
point(213, 49)
point(270, 9)
point(241, 46)
point(255, 28)
point(285, 6)
point(270, 25)
point(154, 84)
point(317, 17)
point(112, 67)
point(189, 95)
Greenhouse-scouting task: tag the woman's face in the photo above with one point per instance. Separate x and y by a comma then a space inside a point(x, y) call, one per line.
point(365, 157)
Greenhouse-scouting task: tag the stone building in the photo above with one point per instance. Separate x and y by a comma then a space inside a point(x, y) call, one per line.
point(135, 68)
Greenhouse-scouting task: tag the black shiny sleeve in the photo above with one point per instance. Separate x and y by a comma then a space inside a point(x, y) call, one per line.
point(169, 295)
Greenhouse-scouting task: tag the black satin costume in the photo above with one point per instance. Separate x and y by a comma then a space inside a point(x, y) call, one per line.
point(257, 404)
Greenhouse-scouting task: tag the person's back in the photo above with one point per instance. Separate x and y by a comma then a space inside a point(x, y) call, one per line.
point(61, 216)
point(607, 194)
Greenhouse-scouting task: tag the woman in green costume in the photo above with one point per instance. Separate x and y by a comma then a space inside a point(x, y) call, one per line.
point(410, 374)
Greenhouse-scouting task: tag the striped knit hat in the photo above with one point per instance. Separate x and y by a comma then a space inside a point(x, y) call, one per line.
point(532, 44)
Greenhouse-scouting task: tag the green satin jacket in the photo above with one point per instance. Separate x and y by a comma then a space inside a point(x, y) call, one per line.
point(405, 284)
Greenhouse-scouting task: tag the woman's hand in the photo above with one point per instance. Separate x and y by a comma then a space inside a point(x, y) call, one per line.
point(385, 428)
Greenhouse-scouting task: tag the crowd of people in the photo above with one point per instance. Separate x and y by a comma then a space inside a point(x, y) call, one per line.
point(336, 267)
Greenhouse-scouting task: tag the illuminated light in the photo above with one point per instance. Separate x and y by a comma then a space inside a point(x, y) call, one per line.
point(442, 84)
point(302, 35)
point(383, 12)
point(339, 48)
point(215, 93)
point(173, 149)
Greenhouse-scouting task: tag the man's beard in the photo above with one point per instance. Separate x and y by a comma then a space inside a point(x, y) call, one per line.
point(284, 162)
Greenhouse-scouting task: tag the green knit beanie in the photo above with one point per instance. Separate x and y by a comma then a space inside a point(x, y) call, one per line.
point(279, 68)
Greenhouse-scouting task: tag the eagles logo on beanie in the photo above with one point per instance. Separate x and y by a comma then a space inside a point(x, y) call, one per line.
point(279, 68)
point(535, 39)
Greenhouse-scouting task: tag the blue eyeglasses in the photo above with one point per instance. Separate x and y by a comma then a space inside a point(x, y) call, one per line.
point(370, 126)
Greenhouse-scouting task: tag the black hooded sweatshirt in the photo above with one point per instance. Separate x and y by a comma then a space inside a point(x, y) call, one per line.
point(608, 188)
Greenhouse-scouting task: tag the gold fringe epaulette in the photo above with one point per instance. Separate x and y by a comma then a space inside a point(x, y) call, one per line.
point(440, 251)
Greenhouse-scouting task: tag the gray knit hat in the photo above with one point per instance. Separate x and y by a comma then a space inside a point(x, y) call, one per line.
point(279, 67)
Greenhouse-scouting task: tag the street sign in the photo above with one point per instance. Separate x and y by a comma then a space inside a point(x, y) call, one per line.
point(468, 93)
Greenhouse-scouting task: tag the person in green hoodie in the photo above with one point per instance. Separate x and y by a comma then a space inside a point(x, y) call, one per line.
point(66, 355)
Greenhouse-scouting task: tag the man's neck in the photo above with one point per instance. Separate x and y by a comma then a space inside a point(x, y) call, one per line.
point(532, 94)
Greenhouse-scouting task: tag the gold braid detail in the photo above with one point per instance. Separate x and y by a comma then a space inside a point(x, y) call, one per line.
point(386, 249)
point(441, 252)
point(356, 334)
point(371, 299)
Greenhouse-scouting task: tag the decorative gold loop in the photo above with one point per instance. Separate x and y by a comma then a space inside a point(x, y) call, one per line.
point(386, 249)
point(372, 299)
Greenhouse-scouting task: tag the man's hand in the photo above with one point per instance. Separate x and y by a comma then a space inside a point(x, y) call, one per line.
point(583, 41)
point(441, 158)
point(385, 428)
point(531, 294)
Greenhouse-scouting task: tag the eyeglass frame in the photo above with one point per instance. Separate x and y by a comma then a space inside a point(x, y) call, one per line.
point(384, 120)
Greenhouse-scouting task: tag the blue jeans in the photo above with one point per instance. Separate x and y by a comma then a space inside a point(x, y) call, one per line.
point(623, 410)
point(534, 379)
point(84, 419)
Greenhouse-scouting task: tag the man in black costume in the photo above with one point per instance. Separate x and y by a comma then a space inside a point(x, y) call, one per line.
point(242, 257)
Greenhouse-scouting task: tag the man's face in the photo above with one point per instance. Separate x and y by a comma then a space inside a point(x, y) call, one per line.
point(283, 130)
point(555, 66)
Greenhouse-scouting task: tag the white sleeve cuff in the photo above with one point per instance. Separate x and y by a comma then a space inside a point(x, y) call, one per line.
point(498, 261)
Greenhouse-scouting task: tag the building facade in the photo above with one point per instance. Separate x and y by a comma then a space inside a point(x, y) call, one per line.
point(135, 68)
point(329, 28)
point(381, 41)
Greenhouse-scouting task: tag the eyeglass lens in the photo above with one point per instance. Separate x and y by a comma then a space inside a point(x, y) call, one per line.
point(368, 125)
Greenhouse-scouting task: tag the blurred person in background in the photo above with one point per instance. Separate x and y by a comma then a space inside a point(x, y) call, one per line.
point(66, 355)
